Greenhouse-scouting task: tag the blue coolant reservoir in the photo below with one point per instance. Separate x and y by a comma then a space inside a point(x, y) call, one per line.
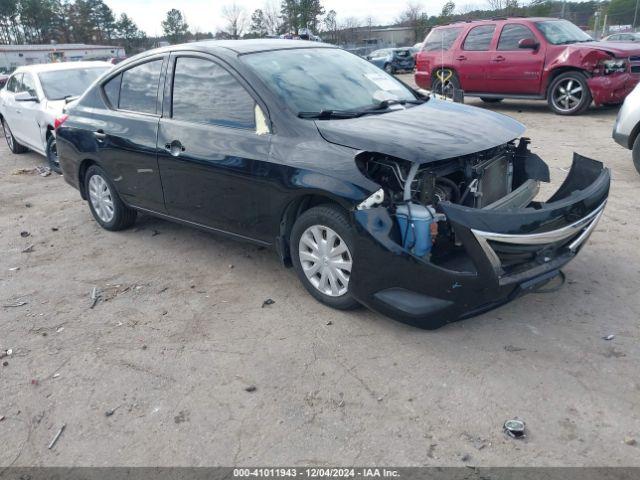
point(415, 227)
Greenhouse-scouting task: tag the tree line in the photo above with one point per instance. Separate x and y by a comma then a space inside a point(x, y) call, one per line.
point(92, 21)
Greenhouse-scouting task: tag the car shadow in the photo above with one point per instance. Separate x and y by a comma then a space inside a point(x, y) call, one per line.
point(509, 107)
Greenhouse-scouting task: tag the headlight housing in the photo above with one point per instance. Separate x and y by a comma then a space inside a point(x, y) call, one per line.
point(613, 66)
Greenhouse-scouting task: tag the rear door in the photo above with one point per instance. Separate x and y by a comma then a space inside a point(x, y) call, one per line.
point(125, 134)
point(516, 70)
point(472, 61)
point(213, 145)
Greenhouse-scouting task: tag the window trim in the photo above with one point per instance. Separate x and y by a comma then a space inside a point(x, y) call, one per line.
point(120, 71)
point(170, 78)
point(491, 42)
point(533, 35)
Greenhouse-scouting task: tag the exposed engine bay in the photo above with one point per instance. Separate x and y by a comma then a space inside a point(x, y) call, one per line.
point(504, 177)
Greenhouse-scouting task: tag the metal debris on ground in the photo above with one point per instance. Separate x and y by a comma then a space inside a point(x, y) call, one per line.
point(630, 441)
point(29, 249)
point(329, 322)
point(514, 428)
point(268, 302)
point(14, 269)
point(609, 337)
point(54, 229)
point(251, 388)
point(2, 417)
point(24, 234)
point(55, 439)
point(43, 171)
point(14, 304)
point(95, 297)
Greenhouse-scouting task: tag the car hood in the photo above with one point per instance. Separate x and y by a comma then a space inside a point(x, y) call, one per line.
point(617, 49)
point(435, 130)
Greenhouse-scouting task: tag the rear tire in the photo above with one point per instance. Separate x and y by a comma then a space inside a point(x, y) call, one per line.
point(569, 94)
point(635, 153)
point(389, 69)
point(322, 249)
point(14, 145)
point(451, 82)
point(52, 154)
point(491, 100)
point(106, 206)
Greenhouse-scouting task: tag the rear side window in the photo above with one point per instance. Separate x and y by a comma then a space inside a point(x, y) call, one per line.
point(441, 39)
point(204, 92)
point(139, 87)
point(479, 38)
point(13, 85)
point(112, 90)
point(511, 35)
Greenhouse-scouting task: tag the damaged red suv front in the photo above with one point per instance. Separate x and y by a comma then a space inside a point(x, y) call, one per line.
point(456, 227)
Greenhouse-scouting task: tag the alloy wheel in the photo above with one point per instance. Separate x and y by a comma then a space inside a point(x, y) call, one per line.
point(101, 198)
point(7, 134)
point(326, 260)
point(568, 94)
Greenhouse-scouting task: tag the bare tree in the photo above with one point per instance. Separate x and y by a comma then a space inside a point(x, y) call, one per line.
point(272, 19)
point(236, 17)
point(414, 16)
point(349, 29)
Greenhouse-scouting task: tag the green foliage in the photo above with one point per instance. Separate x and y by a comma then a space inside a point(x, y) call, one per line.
point(174, 26)
point(299, 14)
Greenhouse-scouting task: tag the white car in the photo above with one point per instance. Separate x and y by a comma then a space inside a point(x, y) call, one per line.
point(35, 96)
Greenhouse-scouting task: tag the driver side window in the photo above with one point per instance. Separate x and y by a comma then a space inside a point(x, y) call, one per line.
point(14, 83)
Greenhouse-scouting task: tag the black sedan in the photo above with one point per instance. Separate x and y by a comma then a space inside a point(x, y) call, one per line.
point(418, 208)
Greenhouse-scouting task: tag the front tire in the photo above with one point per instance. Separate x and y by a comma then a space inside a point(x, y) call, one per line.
point(569, 94)
point(322, 249)
point(635, 153)
point(389, 69)
point(14, 145)
point(105, 204)
point(52, 154)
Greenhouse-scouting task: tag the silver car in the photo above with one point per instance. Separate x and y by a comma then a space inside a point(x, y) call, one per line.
point(627, 127)
point(35, 96)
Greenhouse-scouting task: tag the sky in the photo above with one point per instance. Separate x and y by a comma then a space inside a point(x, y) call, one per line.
point(205, 14)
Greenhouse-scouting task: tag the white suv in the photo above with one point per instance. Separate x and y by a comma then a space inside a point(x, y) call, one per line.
point(35, 96)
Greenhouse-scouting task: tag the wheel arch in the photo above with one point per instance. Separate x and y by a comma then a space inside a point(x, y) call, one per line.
point(82, 171)
point(556, 72)
point(293, 210)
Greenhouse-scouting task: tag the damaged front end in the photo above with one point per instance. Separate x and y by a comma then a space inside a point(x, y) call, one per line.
point(450, 239)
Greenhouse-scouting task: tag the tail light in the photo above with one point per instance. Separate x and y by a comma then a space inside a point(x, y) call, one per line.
point(57, 123)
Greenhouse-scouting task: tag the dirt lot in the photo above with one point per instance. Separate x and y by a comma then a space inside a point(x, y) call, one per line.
point(180, 335)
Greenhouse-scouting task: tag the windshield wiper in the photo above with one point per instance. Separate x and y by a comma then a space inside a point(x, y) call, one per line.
point(327, 114)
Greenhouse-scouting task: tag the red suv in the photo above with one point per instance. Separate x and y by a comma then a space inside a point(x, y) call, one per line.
point(528, 58)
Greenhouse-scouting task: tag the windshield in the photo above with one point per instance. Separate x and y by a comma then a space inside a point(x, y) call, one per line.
point(323, 79)
point(60, 84)
point(559, 32)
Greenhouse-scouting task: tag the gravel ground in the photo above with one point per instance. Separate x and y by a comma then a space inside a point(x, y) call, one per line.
point(179, 364)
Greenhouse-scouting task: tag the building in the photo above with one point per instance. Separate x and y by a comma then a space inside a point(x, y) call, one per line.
point(389, 36)
point(13, 56)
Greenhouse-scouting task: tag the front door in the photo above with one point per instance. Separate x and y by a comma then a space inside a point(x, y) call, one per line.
point(28, 115)
point(513, 69)
point(472, 61)
point(213, 147)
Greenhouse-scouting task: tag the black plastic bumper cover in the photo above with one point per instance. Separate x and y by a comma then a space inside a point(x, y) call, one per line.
point(388, 279)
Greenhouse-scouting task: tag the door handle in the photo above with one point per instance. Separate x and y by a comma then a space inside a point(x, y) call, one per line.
point(175, 148)
point(461, 57)
point(499, 58)
point(100, 135)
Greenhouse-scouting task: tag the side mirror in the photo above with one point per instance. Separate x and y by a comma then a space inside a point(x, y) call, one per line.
point(25, 97)
point(530, 43)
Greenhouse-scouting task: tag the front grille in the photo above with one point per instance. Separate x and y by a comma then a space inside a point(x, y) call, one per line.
point(516, 258)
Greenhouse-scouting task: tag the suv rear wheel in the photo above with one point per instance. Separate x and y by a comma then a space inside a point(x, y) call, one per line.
point(569, 94)
point(444, 82)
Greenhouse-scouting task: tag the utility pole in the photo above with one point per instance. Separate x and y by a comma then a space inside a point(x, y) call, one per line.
point(564, 3)
point(635, 16)
point(604, 25)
